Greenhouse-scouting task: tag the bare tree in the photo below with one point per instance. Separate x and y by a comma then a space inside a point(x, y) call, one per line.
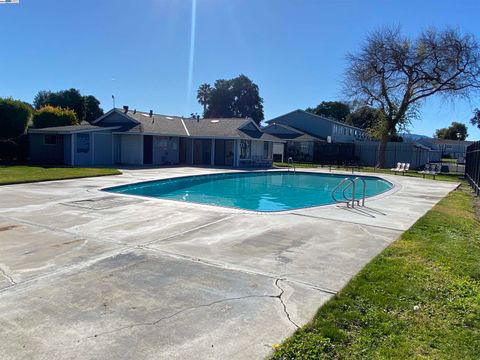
point(396, 74)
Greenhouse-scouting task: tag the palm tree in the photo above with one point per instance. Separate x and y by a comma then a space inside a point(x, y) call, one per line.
point(203, 95)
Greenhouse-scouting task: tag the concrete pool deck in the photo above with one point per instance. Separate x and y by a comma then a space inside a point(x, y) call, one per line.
point(86, 274)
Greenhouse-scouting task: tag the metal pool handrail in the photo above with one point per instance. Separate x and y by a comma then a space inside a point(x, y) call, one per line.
point(351, 184)
point(290, 161)
point(346, 200)
point(364, 190)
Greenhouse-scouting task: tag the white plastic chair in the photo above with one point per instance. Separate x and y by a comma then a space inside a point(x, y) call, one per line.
point(397, 168)
point(401, 168)
point(406, 168)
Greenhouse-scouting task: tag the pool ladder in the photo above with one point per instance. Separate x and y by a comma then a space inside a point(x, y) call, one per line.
point(351, 183)
point(290, 163)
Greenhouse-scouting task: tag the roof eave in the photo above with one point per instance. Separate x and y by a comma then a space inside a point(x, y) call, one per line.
point(66, 132)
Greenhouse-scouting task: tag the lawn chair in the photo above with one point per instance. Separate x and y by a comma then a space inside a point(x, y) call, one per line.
point(430, 169)
point(397, 168)
point(426, 170)
point(434, 171)
point(400, 167)
point(405, 169)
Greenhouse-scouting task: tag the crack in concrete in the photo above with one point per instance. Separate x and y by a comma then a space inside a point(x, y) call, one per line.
point(156, 322)
point(230, 267)
point(188, 230)
point(279, 296)
point(8, 277)
point(384, 238)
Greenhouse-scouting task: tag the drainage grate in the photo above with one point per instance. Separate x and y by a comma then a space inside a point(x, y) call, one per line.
point(102, 203)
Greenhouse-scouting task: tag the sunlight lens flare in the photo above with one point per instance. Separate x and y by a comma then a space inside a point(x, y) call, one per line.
point(192, 54)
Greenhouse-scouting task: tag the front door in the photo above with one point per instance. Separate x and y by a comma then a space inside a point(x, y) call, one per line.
point(147, 149)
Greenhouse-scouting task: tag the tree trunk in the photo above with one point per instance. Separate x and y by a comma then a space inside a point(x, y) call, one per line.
point(382, 156)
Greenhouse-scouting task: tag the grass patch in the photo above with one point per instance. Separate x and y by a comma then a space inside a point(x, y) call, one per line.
point(26, 174)
point(448, 160)
point(368, 169)
point(300, 165)
point(420, 298)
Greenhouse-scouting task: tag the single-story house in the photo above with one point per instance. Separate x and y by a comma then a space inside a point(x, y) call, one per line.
point(297, 144)
point(127, 137)
point(320, 127)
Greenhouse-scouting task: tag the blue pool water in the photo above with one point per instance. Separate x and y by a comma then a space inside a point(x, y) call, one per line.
point(258, 191)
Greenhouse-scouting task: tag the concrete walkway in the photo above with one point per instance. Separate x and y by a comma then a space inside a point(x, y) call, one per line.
point(89, 275)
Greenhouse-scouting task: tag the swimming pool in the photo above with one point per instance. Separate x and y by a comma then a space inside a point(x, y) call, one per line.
point(258, 191)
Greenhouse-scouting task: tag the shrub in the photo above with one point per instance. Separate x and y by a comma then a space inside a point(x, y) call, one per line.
point(8, 149)
point(50, 116)
point(14, 118)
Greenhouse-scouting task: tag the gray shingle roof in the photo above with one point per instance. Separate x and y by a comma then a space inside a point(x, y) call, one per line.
point(158, 124)
point(215, 127)
point(178, 126)
point(444, 141)
point(291, 133)
point(314, 116)
point(165, 125)
point(70, 128)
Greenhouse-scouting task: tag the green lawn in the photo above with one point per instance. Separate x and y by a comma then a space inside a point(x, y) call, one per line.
point(447, 160)
point(411, 173)
point(420, 298)
point(25, 174)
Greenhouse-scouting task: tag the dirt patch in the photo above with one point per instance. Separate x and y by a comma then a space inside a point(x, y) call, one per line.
point(7, 227)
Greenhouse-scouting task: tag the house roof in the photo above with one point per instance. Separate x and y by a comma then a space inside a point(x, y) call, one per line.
point(444, 141)
point(274, 120)
point(226, 128)
point(189, 127)
point(138, 122)
point(157, 124)
point(70, 129)
point(291, 133)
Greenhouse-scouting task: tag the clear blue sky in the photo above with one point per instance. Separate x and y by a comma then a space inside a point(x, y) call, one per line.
point(140, 50)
